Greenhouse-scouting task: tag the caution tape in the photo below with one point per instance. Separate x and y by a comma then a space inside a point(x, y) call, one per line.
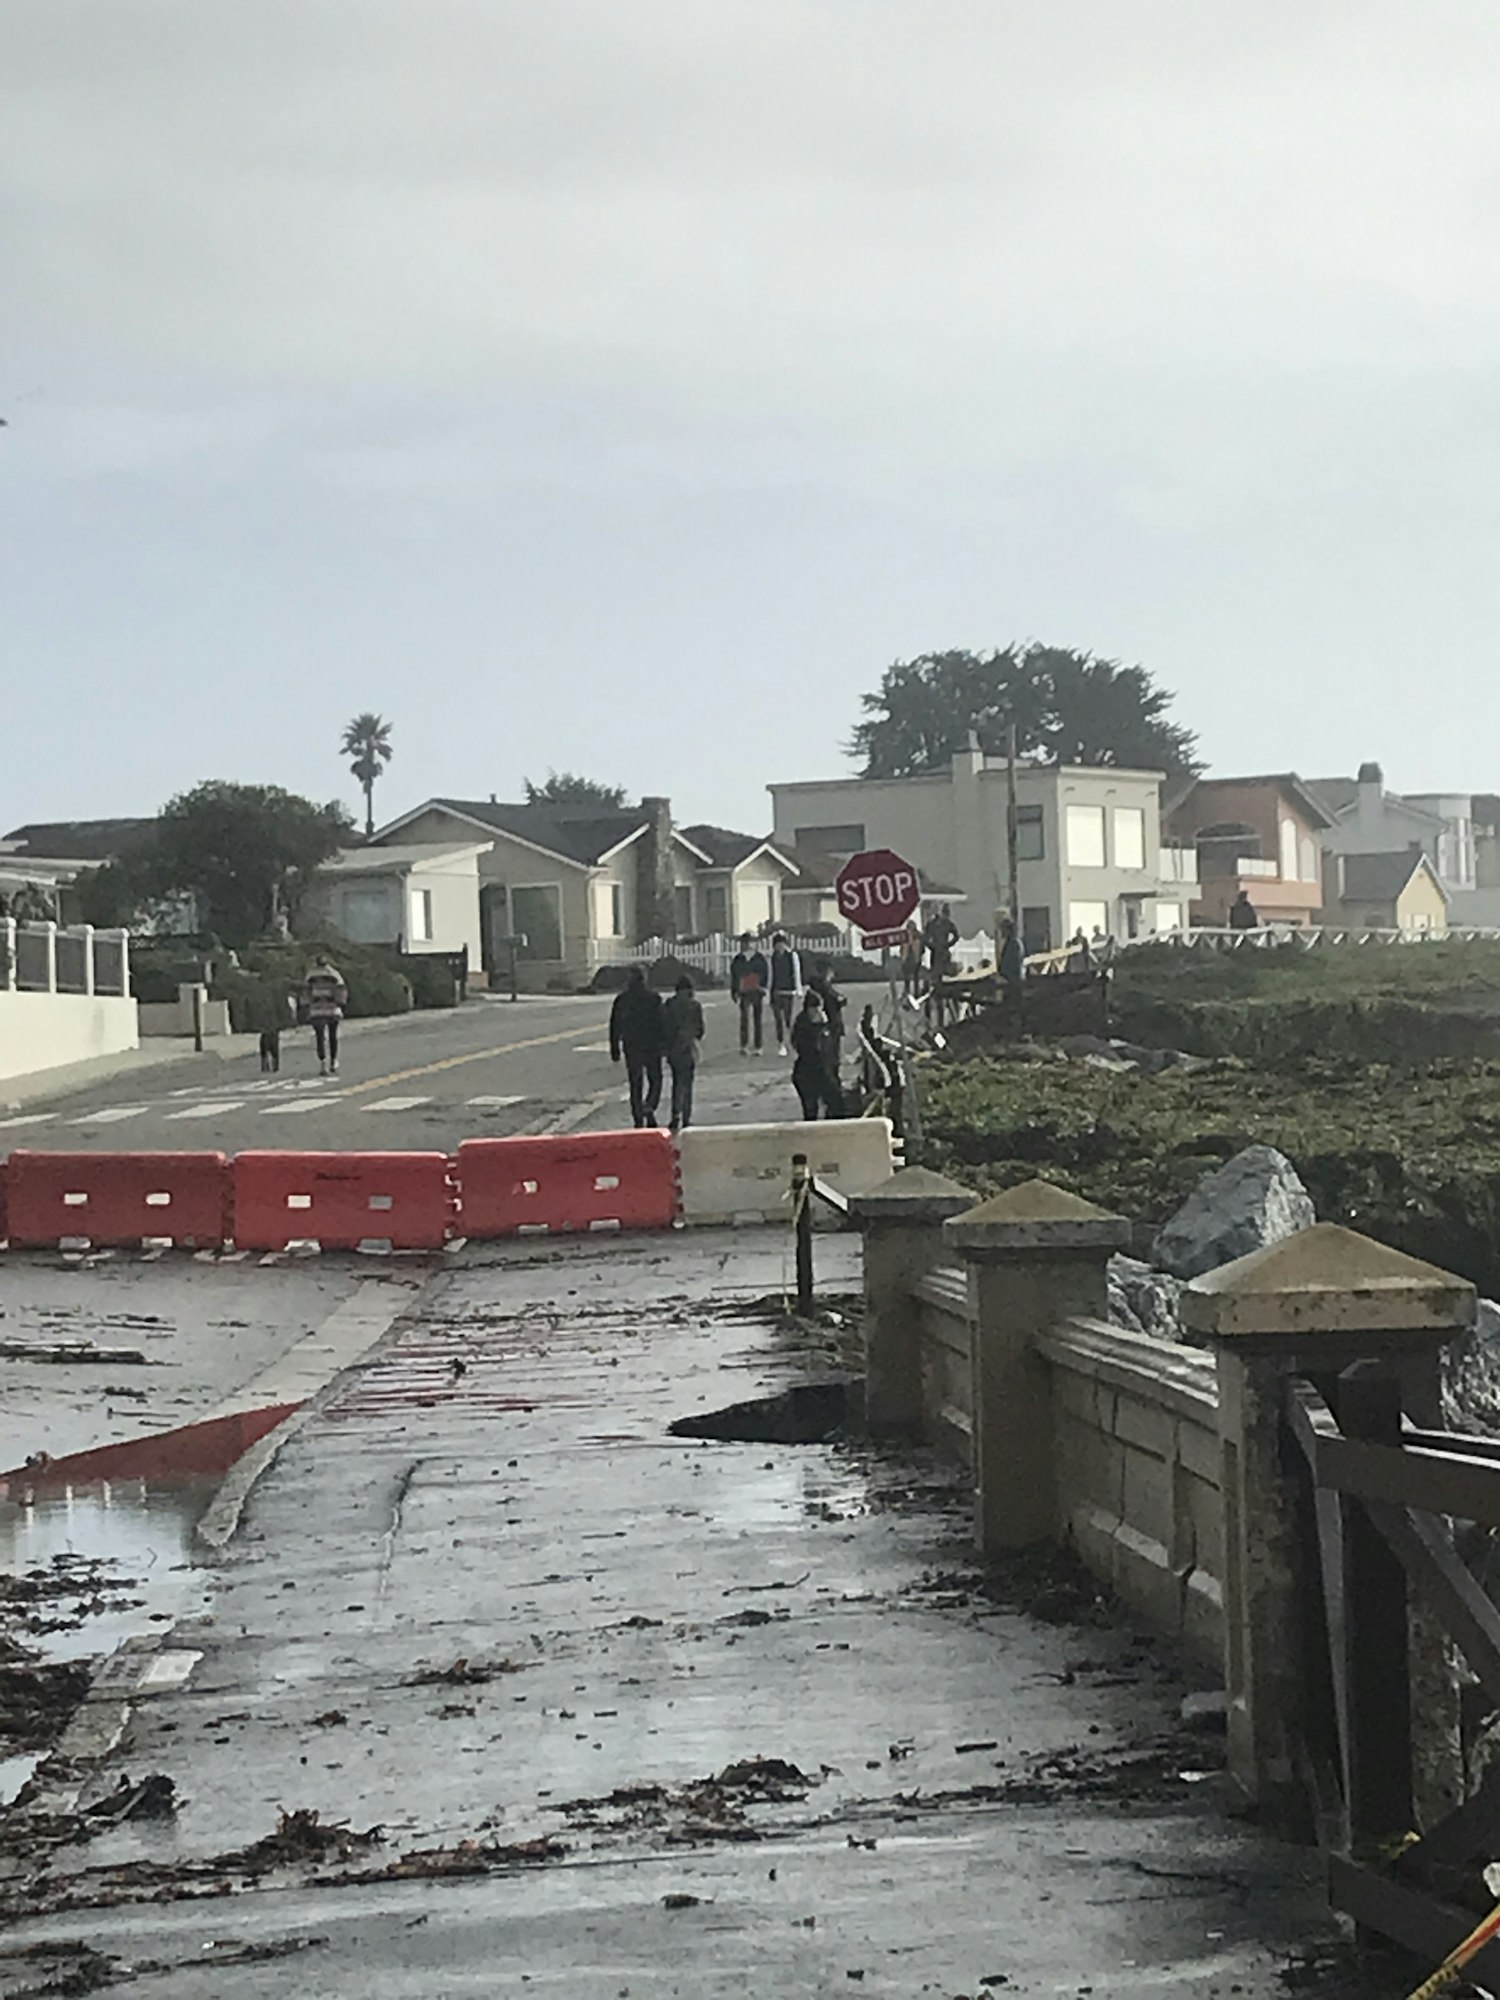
point(1450, 1971)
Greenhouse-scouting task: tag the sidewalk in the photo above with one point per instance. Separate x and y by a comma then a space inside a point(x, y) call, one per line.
point(639, 1714)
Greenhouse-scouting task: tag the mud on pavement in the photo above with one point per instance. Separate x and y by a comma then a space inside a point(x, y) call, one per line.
point(502, 1678)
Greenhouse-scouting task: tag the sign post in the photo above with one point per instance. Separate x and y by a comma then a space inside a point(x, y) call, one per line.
point(881, 893)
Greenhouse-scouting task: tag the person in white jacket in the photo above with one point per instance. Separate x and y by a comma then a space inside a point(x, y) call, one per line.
point(786, 988)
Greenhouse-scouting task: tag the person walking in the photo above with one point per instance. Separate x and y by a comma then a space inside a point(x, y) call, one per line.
point(635, 1032)
point(814, 1072)
point(822, 983)
point(326, 996)
point(749, 976)
point(682, 1034)
point(786, 988)
point(940, 936)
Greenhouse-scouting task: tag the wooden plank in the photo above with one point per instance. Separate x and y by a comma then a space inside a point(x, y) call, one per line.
point(1376, 1662)
point(1330, 1521)
point(1469, 1834)
point(1448, 1585)
point(1436, 1482)
point(1463, 1443)
point(1424, 1924)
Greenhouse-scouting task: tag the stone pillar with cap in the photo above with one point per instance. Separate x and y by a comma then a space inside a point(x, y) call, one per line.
point(902, 1223)
point(1327, 1304)
point(1035, 1254)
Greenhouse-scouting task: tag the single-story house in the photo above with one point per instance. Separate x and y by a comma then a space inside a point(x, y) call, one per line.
point(49, 856)
point(580, 883)
point(418, 898)
point(1397, 891)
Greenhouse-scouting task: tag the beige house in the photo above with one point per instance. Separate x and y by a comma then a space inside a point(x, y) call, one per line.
point(418, 898)
point(1089, 848)
point(1399, 891)
point(581, 884)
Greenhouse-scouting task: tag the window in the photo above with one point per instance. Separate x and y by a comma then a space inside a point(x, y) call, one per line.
point(831, 839)
point(617, 909)
point(537, 915)
point(1086, 837)
point(366, 915)
point(1289, 859)
point(1130, 837)
point(1087, 917)
point(421, 916)
point(716, 911)
point(1309, 859)
point(1031, 841)
point(1036, 928)
point(1168, 918)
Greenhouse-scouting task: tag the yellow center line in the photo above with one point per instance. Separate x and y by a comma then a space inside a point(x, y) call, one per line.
point(472, 1055)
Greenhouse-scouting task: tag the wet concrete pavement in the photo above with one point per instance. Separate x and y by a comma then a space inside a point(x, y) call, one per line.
point(671, 1716)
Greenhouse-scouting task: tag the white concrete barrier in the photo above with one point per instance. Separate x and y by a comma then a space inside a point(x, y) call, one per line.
point(48, 1030)
point(741, 1173)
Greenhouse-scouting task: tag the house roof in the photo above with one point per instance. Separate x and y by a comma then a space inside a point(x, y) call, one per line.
point(395, 860)
point(1288, 781)
point(79, 839)
point(725, 848)
point(585, 834)
point(1380, 878)
point(1340, 795)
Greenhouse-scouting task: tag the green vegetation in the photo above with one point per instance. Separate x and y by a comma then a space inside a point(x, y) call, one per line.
point(1370, 1068)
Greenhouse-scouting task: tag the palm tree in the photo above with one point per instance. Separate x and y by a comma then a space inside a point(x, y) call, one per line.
point(367, 741)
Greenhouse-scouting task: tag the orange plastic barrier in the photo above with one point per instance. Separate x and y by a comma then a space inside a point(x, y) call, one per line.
point(111, 1199)
point(587, 1180)
point(342, 1200)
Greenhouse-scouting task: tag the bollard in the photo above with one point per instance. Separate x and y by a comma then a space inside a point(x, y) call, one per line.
point(802, 1224)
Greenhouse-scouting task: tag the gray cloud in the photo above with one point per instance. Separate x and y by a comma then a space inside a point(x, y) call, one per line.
point(615, 386)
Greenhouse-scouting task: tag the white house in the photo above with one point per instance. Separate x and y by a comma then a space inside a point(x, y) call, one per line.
point(1367, 819)
point(1090, 855)
point(578, 883)
point(418, 898)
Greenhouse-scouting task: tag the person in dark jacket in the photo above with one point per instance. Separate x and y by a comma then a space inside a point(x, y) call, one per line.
point(1243, 915)
point(635, 1031)
point(940, 936)
point(814, 1075)
point(786, 988)
point(834, 1003)
point(749, 976)
point(682, 1033)
point(1012, 954)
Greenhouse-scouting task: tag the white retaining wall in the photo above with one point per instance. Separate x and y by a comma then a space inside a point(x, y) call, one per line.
point(40, 1031)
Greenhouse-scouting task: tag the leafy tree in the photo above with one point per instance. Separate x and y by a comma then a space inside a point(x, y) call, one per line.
point(367, 741)
point(567, 788)
point(1067, 707)
point(243, 851)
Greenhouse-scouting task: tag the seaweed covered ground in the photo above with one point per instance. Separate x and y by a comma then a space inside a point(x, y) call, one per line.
point(1410, 1156)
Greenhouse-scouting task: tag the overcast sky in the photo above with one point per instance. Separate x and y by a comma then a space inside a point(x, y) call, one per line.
point(621, 387)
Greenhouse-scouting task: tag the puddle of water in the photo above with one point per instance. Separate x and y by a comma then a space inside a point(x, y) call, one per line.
point(144, 1532)
point(809, 1413)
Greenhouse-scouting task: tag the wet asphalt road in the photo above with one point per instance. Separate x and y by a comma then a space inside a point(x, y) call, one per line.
point(425, 1081)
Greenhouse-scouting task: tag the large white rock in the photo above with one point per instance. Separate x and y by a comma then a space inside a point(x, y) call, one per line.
point(1143, 1300)
point(1471, 1375)
point(1252, 1200)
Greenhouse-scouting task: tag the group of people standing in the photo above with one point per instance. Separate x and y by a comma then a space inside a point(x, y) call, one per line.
point(807, 1018)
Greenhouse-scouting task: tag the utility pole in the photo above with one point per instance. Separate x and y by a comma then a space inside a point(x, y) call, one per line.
point(1012, 826)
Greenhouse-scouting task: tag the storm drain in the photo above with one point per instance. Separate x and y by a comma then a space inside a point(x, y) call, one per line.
point(811, 1413)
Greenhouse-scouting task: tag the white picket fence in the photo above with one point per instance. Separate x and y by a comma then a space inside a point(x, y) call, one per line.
point(713, 955)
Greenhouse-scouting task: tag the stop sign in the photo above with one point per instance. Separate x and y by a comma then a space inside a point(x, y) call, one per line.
point(879, 892)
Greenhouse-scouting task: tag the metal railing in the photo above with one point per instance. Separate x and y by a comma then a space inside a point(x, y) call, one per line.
point(1309, 937)
point(44, 958)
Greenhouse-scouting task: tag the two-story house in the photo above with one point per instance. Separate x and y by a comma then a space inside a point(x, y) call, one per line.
point(1261, 835)
point(1367, 819)
point(1089, 851)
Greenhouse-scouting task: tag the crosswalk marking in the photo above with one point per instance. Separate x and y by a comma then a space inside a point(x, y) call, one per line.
point(395, 1104)
point(592, 1049)
point(31, 1118)
point(112, 1116)
point(494, 1103)
point(296, 1105)
point(214, 1110)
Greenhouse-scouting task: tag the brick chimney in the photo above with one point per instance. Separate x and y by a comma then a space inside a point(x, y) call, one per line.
point(656, 900)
